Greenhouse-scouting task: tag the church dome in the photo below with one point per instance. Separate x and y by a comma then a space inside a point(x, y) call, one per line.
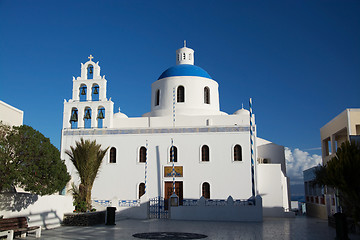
point(120, 115)
point(242, 111)
point(185, 70)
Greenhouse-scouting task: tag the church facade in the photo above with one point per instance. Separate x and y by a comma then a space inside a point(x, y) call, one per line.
point(184, 145)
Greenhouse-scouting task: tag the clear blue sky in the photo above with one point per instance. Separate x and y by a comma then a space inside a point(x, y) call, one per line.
point(298, 60)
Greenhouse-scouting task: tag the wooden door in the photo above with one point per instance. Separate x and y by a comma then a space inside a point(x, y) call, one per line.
point(169, 192)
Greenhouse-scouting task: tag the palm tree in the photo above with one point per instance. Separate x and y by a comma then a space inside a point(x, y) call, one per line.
point(86, 157)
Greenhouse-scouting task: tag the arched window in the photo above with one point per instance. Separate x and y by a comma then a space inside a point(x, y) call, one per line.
point(157, 98)
point(237, 153)
point(205, 153)
point(95, 93)
point(206, 95)
point(100, 117)
point(173, 154)
point(206, 190)
point(74, 118)
point(141, 189)
point(184, 56)
point(87, 117)
point(83, 93)
point(113, 155)
point(180, 94)
point(90, 71)
point(142, 154)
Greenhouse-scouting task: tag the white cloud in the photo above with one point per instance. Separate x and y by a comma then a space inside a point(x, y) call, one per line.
point(297, 161)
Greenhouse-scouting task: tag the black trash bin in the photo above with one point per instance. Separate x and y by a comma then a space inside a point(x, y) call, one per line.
point(341, 226)
point(110, 215)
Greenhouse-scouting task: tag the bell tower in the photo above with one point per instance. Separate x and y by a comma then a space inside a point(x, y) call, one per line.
point(184, 55)
point(89, 106)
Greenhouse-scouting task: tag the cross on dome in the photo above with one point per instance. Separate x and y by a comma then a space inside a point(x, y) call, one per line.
point(184, 43)
point(90, 57)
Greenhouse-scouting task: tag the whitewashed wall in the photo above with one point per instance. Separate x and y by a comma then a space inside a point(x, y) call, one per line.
point(227, 212)
point(10, 115)
point(46, 211)
point(121, 179)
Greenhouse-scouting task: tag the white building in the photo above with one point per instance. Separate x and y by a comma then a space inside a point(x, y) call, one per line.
point(212, 149)
point(10, 115)
point(321, 202)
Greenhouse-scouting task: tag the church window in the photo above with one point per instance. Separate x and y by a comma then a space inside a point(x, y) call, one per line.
point(113, 155)
point(206, 190)
point(141, 189)
point(190, 56)
point(74, 118)
point(237, 153)
point(181, 94)
point(100, 117)
point(87, 117)
point(90, 71)
point(157, 98)
point(204, 153)
point(142, 154)
point(95, 93)
point(184, 56)
point(173, 154)
point(83, 93)
point(206, 95)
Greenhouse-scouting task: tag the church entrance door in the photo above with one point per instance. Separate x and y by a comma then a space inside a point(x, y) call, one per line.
point(169, 192)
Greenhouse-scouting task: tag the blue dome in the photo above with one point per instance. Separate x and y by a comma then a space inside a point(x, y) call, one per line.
point(185, 70)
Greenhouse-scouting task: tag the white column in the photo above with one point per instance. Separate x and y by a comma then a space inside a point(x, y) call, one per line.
point(81, 117)
point(94, 112)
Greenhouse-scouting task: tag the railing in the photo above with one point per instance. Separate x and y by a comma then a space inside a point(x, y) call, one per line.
point(218, 202)
point(129, 203)
point(104, 203)
point(121, 203)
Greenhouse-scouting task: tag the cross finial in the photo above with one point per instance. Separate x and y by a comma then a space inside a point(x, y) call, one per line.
point(90, 57)
point(184, 43)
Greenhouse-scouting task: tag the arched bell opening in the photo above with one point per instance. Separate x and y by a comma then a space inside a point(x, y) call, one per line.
point(74, 118)
point(90, 71)
point(83, 93)
point(100, 117)
point(95, 92)
point(87, 117)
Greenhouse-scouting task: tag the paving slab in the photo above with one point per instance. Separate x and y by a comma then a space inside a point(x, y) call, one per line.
point(270, 229)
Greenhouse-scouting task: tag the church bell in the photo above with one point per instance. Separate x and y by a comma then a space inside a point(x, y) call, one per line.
point(74, 117)
point(96, 90)
point(101, 115)
point(83, 91)
point(87, 115)
point(90, 69)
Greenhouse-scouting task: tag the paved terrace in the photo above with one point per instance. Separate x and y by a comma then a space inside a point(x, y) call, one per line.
point(271, 228)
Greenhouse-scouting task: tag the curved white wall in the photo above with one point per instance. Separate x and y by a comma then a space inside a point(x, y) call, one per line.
point(194, 96)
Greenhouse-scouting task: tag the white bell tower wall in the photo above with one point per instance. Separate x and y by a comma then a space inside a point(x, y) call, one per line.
point(89, 84)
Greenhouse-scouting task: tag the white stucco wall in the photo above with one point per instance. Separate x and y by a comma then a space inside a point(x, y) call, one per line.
point(225, 176)
point(10, 115)
point(46, 211)
point(228, 212)
point(271, 188)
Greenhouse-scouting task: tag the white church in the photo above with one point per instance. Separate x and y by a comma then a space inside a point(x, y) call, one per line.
point(184, 145)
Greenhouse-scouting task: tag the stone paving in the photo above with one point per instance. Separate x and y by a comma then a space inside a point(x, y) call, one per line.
point(271, 228)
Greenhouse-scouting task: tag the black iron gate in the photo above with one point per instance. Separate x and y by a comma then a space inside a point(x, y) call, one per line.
point(157, 208)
